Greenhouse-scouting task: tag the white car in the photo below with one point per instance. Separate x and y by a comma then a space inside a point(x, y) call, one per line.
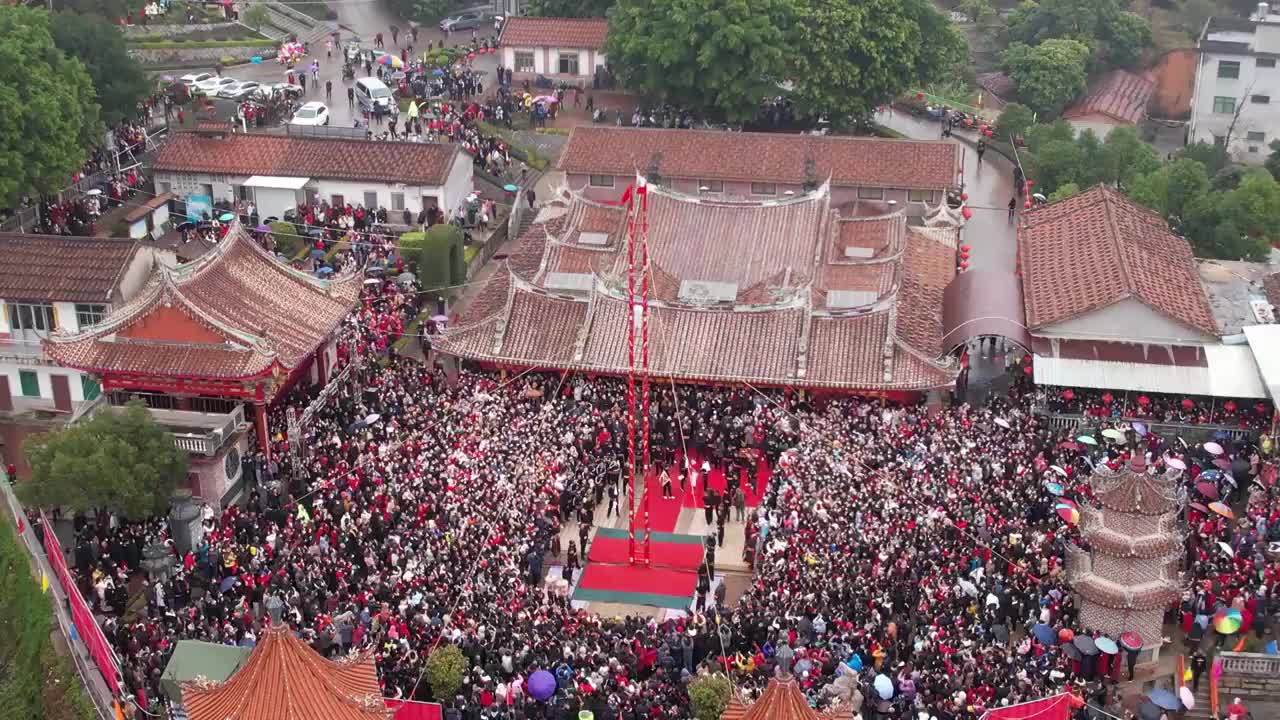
point(213, 85)
point(238, 90)
point(190, 79)
point(313, 113)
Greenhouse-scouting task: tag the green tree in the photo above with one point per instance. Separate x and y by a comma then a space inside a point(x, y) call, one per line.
point(845, 59)
point(979, 11)
point(709, 695)
point(446, 666)
point(289, 242)
point(570, 8)
point(111, 10)
point(1237, 224)
point(116, 76)
point(436, 256)
point(1014, 120)
point(123, 461)
point(1171, 188)
point(1127, 37)
point(1127, 156)
point(1111, 33)
point(1049, 75)
point(719, 57)
point(1064, 191)
point(49, 116)
point(256, 17)
point(1273, 160)
point(1214, 157)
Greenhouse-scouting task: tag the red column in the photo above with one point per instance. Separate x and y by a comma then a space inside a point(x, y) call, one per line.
point(322, 364)
point(260, 421)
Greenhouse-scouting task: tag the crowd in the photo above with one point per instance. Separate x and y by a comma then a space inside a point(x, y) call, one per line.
point(1154, 407)
point(424, 508)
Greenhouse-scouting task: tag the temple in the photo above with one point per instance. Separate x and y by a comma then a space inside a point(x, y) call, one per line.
point(1130, 573)
point(285, 678)
point(779, 292)
point(782, 700)
point(202, 342)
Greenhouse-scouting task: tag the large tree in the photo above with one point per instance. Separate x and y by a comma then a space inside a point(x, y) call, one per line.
point(47, 113)
point(116, 76)
point(570, 8)
point(848, 58)
point(122, 461)
point(1049, 75)
point(1113, 35)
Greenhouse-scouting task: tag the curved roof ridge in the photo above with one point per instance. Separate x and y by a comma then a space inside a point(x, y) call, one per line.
point(818, 195)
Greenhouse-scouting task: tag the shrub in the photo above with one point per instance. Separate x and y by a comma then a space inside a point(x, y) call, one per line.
point(437, 256)
point(445, 668)
point(289, 242)
point(709, 695)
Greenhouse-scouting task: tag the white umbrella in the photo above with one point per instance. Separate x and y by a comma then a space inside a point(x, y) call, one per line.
point(1176, 464)
point(1226, 549)
point(373, 281)
point(1213, 448)
point(1002, 423)
point(1113, 434)
point(1058, 470)
point(883, 686)
point(372, 418)
point(94, 191)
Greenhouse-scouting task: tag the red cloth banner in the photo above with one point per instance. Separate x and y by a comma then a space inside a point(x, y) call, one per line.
point(1057, 707)
point(81, 616)
point(413, 710)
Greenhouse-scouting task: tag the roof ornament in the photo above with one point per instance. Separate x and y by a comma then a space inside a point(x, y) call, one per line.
point(653, 174)
point(810, 174)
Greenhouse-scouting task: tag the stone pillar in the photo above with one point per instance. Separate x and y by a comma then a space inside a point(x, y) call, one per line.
point(260, 424)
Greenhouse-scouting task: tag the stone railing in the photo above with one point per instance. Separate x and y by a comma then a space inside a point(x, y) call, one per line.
point(1252, 677)
point(1251, 664)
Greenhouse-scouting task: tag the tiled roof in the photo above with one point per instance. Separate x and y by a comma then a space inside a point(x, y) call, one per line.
point(554, 32)
point(1098, 248)
point(284, 677)
point(1119, 95)
point(781, 700)
point(763, 338)
point(762, 157)
point(234, 313)
point(53, 268)
point(291, 156)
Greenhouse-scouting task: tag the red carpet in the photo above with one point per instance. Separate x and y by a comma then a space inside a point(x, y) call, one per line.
point(663, 514)
point(636, 579)
point(719, 483)
point(673, 556)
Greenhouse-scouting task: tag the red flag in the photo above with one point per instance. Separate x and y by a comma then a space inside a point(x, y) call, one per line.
point(626, 196)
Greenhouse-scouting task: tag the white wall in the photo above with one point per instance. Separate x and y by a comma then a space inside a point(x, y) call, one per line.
point(43, 373)
point(1254, 117)
point(1130, 321)
point(273, 202)
point(460, 183)
point(457, 186)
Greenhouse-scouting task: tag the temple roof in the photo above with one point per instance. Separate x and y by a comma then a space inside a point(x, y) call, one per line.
point(781, 700)
point(234, 313)
point(1132, 489)
point(780, 291)
point(285, 678)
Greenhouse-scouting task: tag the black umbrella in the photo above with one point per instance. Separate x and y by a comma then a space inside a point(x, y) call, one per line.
point(1149, 711)
point(1085, 645)
point(1072, 652)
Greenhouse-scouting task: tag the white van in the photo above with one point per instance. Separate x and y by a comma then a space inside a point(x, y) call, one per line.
point(371, 92)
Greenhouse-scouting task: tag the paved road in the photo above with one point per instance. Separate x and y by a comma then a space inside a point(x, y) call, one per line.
point(989, 234)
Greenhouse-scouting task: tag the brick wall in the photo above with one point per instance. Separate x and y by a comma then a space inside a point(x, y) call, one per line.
point(1254, 678)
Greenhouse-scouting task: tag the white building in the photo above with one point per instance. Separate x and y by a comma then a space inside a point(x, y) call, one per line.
point(53, 283)
point(1237, 89)
point(278, 172)
point(562, 49)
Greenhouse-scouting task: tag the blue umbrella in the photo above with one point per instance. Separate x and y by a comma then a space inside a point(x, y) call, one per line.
point(437, 72)
point(510, 188)
point(317, 253)
point(1164, 699)
point(883, 686)
point(326, 270)
point(1045, 634)
point(1211, 475)
point(228, 582)
point(1054, 488)
point(854, 663)
point(1140, 428)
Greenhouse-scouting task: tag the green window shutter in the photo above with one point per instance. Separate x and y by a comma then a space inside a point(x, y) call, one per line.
point(30, 383)
point(90, 387)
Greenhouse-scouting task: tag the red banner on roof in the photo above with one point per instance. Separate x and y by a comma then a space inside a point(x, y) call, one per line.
point(1057, 707)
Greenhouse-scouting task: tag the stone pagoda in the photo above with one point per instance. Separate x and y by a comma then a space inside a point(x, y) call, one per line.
point(1130, 572)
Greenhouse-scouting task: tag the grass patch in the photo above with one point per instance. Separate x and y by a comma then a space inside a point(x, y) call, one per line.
point(886, 132)
point(527, 155)
point(563, 132)
point(179, 45)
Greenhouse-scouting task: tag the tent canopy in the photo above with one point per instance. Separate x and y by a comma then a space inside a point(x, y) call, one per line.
point(277, 182)
point(192, 658)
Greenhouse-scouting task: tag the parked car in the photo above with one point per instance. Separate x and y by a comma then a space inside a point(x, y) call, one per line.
point(239, 90)
point(212, 86)
point(190, 79)
point(372, 92)
point(465, 20)
point(313, 113)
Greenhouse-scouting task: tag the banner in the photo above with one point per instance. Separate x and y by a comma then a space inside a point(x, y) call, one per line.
point(1057, 707)
point(413, 710)
point(86, 625)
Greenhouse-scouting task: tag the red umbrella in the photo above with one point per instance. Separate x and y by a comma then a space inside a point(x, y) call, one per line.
point(1131, 641)
point(1198, 506)
point(1068, 395)
point(1229, 406)
point(1107, 398)
point(1261, 408)
point(1188, 403)
point(1144, 400)
point(1068, 445)
point(1208, 490)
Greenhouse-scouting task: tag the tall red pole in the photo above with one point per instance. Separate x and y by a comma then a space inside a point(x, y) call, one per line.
point(631, 383)
point(644, 355)
point(638, 367)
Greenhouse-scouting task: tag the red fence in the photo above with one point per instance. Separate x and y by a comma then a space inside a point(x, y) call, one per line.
point(81, 616)
point(1057, 707)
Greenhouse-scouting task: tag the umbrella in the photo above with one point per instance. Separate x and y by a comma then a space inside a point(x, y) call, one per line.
point(969, 588)
point(1087, 440)
point(1068, 445)
point(883, 686)
point(1113, 434)
point(1213, 448)
point(1053, 488)
point(390, 61)
point(1226, 549)
point(372, 418)
point(1064, 502)
point(1002, 423)
point(1086, 645)
point(546, 99)
point(228, 582)
point(1131, 641)
point(854, 663)
point(1069, 514)
point(94, 191)
point(437, 72)
point(1164, 699)
point(1106, 645)
point(225, 217)
point(1222, 463)
point(326, 270)
point(1187, 697)
point(1211, 475)
point(356, 426)
point(1176, 464)
point(1227, 621)
point(438, 319)
point(1058, 470)
point(1222, 509)
point(1198, 506)
point(263, 228)
point(1072, 652)
point(1044, 634)
point(317, 253)
point(1208, 490)
point(184, 227)
point(510, 188)
point(1149, 711)
point(372, 281)
point(406, 277)
point(1140, 428)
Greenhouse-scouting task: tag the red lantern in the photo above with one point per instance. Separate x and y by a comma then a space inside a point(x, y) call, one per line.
point(964, 197)
point(1030, 183)
point(471, 56)
point(1068, 394)
point(1107, 398)
point(1026, 205)
point(964, 248)
point(964, 264)
point(1229, 406)
point(1026, 369)
point(1143, 400)
point(964, 254)
point(1188, 403)
point(966, 212)
point(919, 96)
point(1066, 635)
